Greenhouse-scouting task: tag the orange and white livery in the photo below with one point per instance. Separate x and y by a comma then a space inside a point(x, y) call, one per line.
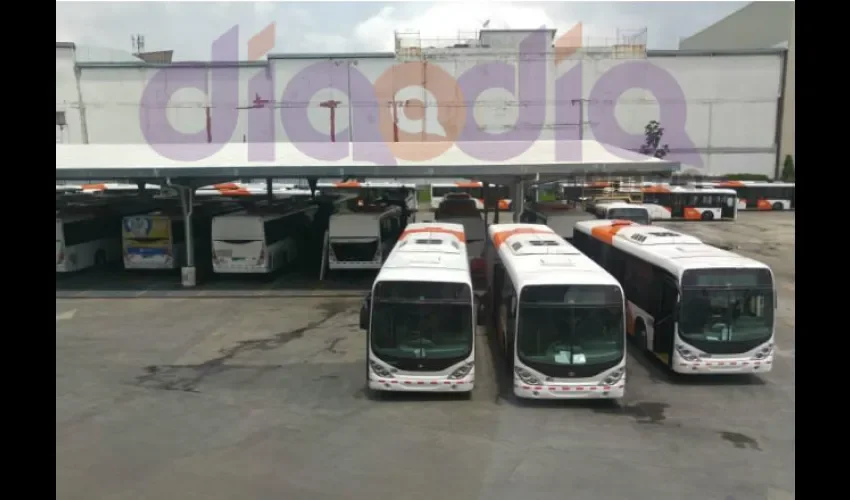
point(420, 316)
point(689, 203)
point(475, 189)
point(559, 317)
point(762, 195)
point(698, 308)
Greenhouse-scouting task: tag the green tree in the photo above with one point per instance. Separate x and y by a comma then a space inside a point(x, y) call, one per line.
point(788, 169)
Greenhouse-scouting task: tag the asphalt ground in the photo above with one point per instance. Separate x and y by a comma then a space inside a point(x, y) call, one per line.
point(262, 397)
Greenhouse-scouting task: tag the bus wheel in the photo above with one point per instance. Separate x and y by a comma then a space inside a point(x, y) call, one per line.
point(708, 215)
point(100, 258)
point(778, 206)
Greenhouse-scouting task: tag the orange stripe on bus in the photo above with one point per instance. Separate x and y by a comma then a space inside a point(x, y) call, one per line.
point(655, 189)
point(226, 186)
point(730, 184)
point(99, 187)
point(347, 184)
point(235, 192)
point(504, 205)
point(606, 233)
point(457, 234)
point(468, 184)
point(764, 205)
point(502, 236)
point(692, 214)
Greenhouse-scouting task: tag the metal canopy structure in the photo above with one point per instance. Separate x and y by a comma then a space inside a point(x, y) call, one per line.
point(142, 161)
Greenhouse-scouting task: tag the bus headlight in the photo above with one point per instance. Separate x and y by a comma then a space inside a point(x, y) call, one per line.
point(764, 352)
point(614, 377)
point(526, 377)
point(462, 371)
point(686, 353)
point(380, 370)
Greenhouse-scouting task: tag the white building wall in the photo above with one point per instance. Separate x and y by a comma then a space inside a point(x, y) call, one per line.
point(731, 103)
point(67, 97)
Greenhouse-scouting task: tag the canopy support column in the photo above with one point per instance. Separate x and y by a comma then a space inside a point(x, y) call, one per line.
point(187, 202)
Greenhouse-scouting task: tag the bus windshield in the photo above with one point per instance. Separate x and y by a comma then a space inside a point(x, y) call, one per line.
point(639, 215)
point(727, 307)
point(570, 325)
point(422, 325)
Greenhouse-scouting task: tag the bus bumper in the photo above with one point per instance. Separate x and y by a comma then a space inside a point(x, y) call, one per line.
point(402, 385)
point(730, 366)
point(569, 391)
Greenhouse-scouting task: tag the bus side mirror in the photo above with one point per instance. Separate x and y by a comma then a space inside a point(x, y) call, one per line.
point(364, 314)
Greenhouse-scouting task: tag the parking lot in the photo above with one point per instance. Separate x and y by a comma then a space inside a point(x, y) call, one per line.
point(262, 397)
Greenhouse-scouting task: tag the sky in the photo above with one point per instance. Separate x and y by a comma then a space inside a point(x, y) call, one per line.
point(103, 30)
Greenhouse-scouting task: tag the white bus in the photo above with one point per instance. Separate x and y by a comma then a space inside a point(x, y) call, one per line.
point(88, 236)
point(361, 237)
point(475, 189)
point(689, 203)
point(157, 240)
point(763, 195)
point(623, 211)
point(698, 308)
point(558, 215)
point(260, 240)
point(420, 316)
point(559, 317)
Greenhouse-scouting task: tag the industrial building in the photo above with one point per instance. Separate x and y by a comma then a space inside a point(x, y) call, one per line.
point(720, 109)
point(758, 25)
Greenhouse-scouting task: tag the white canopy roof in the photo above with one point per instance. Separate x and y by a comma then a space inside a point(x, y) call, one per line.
point(135, 161)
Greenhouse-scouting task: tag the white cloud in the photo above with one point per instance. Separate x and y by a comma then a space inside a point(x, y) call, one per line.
point(189, 28)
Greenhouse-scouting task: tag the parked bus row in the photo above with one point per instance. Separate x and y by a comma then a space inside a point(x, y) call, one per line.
point(561, 313)
point(692, 201)
point(496, 194)
point(251, 235)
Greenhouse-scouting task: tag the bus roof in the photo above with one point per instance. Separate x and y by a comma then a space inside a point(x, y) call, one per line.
point(428, 251)
point(670, 250)
point(734, 184)
point(534, 254)
point(666, 188)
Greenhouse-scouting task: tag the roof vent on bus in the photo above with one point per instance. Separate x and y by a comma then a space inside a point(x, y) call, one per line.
point(663, 238)
point(428, 260)
point(556, 261)
point(541, 246)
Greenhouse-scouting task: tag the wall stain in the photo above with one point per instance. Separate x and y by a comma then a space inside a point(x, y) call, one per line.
point(741, 441)
point(188, 378)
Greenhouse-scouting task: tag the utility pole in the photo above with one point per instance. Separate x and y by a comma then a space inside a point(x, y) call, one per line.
point(581, 121)
point(331, 104)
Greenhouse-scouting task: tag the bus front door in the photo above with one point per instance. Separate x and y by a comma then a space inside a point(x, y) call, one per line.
point(728, 206)
point(677, 206)
point(662, 338)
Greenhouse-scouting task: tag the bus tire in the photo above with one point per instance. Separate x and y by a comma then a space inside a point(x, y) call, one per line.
point(707, 215)
point(778, 206)
point(100, 258)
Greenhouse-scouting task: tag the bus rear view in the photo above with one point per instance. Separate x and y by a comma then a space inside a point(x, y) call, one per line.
point(420, 316)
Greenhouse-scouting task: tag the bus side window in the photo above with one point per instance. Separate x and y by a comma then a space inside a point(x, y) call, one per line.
point(615, 263)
